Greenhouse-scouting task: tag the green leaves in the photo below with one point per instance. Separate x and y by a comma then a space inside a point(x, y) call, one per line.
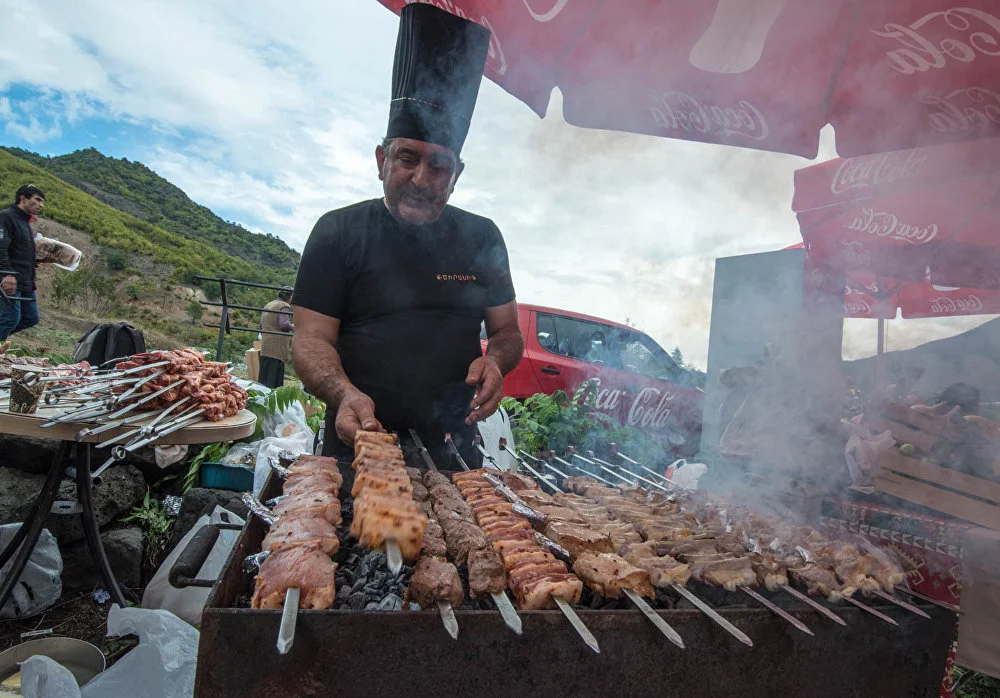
point(212, 453)
point(152, 518)
point(271, 403)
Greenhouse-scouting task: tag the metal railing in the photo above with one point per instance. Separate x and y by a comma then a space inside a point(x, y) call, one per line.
point(224, 325)
point(4, 294)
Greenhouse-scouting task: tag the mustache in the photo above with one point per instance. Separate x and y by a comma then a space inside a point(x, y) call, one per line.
point(415, 193)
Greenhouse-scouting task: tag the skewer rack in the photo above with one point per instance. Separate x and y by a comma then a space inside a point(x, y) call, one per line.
point(408, 652)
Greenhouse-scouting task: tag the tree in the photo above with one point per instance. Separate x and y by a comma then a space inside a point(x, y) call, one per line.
point(194, 310)
point(677, 356)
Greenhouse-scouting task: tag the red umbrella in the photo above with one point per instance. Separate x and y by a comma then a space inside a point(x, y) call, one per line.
point(765, 74)
point(902, 225)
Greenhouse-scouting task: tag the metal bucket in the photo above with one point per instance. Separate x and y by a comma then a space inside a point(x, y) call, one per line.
point(84, 660)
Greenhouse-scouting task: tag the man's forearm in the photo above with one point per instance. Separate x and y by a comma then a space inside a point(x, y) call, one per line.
point(318, 365)
point(506, 348)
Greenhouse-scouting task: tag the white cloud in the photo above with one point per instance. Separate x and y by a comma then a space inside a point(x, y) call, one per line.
point(268, 113)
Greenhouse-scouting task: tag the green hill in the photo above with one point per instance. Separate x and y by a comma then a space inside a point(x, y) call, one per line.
point(133, 188)
point(111, 228)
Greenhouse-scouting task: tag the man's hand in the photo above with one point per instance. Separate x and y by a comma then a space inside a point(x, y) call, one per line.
point(357, 411)
point(9, 285)
point(485, 374)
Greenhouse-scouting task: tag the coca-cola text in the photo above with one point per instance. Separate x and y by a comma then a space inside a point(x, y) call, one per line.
point(677, 111)
point(651, 409)
point(974, 33)
point(947, 305)
point(881, 224)
point(875, 170)
point(965, 110)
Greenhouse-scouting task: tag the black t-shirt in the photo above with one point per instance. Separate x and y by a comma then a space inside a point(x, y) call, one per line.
point(410, 300)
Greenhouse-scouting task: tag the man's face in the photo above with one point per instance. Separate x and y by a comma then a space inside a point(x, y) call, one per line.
point(32, 205)
point(417, 178)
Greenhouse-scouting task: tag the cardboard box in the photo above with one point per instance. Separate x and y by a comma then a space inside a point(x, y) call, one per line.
point(253, 363)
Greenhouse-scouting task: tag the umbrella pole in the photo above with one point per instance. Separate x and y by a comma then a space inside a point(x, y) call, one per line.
point(880, 359)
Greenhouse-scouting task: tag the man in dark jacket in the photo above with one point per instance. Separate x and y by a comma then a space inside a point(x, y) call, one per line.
point(17, 254)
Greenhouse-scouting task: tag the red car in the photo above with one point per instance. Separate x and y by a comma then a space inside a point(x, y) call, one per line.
point(638, 383)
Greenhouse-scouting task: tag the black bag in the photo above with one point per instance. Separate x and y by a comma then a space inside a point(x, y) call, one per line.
point(104, 343)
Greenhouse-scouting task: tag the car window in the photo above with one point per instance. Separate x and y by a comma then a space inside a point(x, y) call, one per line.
point(576, 339)
point(640, 354)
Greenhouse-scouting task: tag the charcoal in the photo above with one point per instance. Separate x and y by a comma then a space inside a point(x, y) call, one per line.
point(392, 602)
point(596, 601)
point(356, 601)
point(343, 592)
point(350, 576)
point(373, 606)
point(414, 606)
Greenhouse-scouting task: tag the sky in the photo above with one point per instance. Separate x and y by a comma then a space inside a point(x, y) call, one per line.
point(268, 113)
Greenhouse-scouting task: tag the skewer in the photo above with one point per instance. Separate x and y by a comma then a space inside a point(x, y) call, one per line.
point(128, 393)
point(448, 618)
point(658, 621)
point(776, 610)
point(902, 604)
point(711, 613)
point(578, 626)
point(488, 460)
point(917, 595)
point(651, 472)
point(585, 472)
point(637, 476)
point(507, 611)
point(814, 604)
point(630, 483)
point(538, 476)
point(453, 450)
point(869, 609)
point(394, 557)
point(289, 614)
point(169, 428)
point(423, 451)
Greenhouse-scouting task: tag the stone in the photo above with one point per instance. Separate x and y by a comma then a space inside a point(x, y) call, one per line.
point(122, 488)
point(27, 454)
point(18, 491)
point(124, 548)
point(390, 603)
point(200, 501)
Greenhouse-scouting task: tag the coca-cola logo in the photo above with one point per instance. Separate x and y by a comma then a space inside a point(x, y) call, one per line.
point(875, 170)
point(677, 111)
point(545, 15)
point(855, 254)
point(881, 224)
point(948, 305)
point(857, 306)
point(970, 109)
point(607, 399)
point(960, 34)
point(495, 60)
point(651, 409)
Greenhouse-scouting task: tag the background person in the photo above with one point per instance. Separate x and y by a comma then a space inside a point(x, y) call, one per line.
point(274, 347)
point(17, 254)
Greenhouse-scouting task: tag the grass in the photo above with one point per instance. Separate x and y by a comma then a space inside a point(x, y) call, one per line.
point(976, 685)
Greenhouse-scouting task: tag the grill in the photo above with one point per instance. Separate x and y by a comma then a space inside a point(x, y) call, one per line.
point(379, 652)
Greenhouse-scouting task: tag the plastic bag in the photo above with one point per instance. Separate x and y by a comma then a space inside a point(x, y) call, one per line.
point(188, 603)
point(57, 253)
point(686, 474)
point(163, 664)
point(284, 432)
point(44, 677)
point(40, 585)
point(864, 451)
point(492, 429)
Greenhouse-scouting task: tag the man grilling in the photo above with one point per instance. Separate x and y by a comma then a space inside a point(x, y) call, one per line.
point(391, 292)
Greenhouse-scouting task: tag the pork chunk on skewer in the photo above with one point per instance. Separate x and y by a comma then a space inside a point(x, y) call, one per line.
point(305, 567)
point(608, 575)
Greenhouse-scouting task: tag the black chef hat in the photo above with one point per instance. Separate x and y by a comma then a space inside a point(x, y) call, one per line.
point(435, 78)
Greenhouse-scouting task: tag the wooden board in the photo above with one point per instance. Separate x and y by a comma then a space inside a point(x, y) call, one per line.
point(239, 426)
point(934, 497)
point(936, 474)
point(904, 434)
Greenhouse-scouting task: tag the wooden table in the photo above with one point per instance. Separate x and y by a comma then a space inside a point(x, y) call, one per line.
point(73, 453)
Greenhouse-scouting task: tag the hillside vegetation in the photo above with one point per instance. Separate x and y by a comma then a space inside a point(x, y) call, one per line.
point(133, 271)
point(135, 189)
point(110, 228)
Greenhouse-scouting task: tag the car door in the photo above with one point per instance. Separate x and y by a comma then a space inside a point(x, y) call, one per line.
point(566, 351)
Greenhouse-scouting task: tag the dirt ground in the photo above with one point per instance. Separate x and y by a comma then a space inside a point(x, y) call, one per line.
point(76, 615)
